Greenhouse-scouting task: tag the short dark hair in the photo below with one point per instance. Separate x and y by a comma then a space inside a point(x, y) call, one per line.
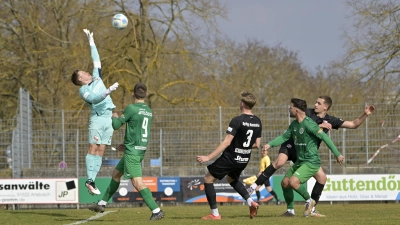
point(299, 103)
point(327, 100)
point(75, 78)
point(140, 91)
point(248, 99)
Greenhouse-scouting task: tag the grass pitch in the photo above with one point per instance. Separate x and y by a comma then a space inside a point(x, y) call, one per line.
point(378, 213)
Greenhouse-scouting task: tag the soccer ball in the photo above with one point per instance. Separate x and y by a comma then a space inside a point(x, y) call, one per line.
point(119, 21)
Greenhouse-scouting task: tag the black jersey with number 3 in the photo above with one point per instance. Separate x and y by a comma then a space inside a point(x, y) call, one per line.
point(245, 129)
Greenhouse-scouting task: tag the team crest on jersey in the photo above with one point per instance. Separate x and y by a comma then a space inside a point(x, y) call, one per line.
point(122, 115)
point(301, 131)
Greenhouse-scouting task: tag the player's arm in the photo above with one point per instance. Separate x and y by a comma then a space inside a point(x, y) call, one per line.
point(90, 97)
point(118, 121)
point(357, 122)
point(93, 98)
point(319, 132)
point(94, 53)
point(328, 141)
point(279, 140)
point(257, 144)
point(221, 147)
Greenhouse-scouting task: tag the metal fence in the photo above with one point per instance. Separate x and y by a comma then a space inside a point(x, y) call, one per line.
point(178, 135)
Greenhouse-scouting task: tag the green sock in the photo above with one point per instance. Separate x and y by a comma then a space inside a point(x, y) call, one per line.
point(148, 198)
point(112, 188)
point(302, 190)
point(289, 197)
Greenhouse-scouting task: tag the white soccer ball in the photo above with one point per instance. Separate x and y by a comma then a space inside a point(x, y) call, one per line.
point(119, 21)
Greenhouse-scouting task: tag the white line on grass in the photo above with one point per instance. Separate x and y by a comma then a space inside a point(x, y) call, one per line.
point(98, 215)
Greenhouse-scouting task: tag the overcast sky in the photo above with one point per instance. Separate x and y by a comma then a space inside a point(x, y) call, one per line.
point(312, 28)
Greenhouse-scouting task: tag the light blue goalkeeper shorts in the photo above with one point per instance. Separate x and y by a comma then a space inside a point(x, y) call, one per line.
point(100, 129)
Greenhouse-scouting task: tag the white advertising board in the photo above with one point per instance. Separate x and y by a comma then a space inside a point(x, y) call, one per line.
point(39, 191)
point(359, 187)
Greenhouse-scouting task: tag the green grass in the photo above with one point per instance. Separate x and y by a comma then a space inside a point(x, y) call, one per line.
point(378, 213)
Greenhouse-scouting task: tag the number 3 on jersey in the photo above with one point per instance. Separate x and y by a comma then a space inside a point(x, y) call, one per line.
point(249, 135)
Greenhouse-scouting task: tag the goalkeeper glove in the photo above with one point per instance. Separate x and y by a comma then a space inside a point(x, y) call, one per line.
point(110, 89)
point(89, 36)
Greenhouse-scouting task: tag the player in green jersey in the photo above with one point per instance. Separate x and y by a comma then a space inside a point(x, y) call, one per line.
point(306, 135)
point(138, 118)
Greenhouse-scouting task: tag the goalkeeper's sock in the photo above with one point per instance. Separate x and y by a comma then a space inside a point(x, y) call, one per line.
point(89, 166)
point(96, 166)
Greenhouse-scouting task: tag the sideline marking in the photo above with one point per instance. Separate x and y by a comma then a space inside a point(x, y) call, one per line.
point(98, 215)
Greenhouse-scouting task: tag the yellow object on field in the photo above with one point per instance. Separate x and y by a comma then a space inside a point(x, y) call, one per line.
point(250, 180)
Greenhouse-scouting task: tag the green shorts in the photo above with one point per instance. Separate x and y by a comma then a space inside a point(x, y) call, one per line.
point(304, 172)
point(130, 166)
point(100, 129)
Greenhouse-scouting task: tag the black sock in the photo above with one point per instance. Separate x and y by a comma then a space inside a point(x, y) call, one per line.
point(239, 187)
point(274, 194)
point(317, 191)
point(258, 195)
point(211, 195)
point(265, 175)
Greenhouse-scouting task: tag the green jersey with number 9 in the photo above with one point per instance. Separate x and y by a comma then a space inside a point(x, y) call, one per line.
point(138, 119)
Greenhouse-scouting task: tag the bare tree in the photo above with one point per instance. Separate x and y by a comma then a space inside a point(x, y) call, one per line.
point(374, 42)
point(166, 47)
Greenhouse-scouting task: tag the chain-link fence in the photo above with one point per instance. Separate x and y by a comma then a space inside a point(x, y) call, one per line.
point(178, 135)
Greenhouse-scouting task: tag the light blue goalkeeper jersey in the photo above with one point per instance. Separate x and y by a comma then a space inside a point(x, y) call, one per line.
point(92, 92)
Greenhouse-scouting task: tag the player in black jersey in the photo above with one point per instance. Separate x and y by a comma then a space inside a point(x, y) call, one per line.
point(288, 152)
point(243, 134)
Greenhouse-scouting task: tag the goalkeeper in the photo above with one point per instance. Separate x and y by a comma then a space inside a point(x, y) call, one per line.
point(96, 95)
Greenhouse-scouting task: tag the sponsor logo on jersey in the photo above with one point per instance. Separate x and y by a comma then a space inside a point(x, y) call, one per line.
point(246, 124)
point(140, 148)
point(239, 159)
point(242, 151)
point(145, 113)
